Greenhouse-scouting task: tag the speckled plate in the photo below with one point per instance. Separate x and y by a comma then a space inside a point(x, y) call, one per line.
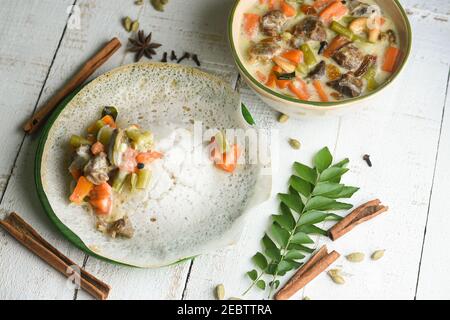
point(194, 220)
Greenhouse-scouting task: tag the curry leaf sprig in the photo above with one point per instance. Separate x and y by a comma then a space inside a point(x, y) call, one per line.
point(312, 198)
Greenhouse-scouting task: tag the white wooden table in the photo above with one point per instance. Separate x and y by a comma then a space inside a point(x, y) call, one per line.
point(406, 130)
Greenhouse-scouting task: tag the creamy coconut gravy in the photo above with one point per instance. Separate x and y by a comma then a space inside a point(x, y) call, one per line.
point(322, 50)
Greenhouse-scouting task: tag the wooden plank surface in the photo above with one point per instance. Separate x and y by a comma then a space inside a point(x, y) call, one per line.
point(401, 131)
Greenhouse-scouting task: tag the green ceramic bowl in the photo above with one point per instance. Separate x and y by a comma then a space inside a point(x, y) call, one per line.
point(300, 108)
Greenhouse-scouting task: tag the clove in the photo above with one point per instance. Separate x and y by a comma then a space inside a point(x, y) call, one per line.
point(186, 55)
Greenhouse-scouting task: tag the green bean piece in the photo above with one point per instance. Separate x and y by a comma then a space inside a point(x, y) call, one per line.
point(340, 29)
point(133, 134)
point(309, 57)
point(78, 141)
point(104, 135)
point(119, 181)
point(144, 178)
point(372, 84)
point(110, 111)
point(133, 181)
point(302, 69)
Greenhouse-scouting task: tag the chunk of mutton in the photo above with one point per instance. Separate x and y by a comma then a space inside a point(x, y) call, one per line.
point(265, 50)
point(272, 23)
point(349, 57)
point(348, 85)
point(309, 28)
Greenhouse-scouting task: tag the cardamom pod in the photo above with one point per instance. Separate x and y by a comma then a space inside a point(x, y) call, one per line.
point(295, 144)
point(135, 26)
point(306, 298)
point(335, 275)
point(127, 24)
point(158, 5)
point(377, 255)
point(355, 257)
point(139, 2)
point(283, 118)
point(220, 292)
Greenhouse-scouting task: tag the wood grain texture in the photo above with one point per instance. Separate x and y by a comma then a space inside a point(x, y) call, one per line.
point(434, 278)
point(400, 129)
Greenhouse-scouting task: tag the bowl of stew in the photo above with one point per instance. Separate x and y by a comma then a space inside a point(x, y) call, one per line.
point(316, 57)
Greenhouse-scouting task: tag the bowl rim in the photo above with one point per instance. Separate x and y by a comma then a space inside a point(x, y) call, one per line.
point(313, 104)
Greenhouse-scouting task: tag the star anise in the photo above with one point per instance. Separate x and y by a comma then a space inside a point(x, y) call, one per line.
point(143, 46)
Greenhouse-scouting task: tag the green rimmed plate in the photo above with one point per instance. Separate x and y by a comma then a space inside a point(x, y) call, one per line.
point(190, 222)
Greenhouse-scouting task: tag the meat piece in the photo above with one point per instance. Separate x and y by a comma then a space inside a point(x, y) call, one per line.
point(97, 169)
point(349, 57)
point(368, 61)
point(309, 28)
point(122, 228)
point(318, 71)
point(272, 23)
point(265, 50)
point(358, 9)
point(348, 85)
point(81, 158)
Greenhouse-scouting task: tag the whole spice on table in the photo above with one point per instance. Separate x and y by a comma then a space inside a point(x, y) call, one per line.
point(312, 197)
point(361, 214)
point(336, 276)
point(355, 257)
point(143, 46)
point(29, 238)
point(318, 263)
point(295, 144)
point(377, 255)
point(283, 118)
point(127, 23)
point(220, 292)
point(135, 26)
point(159, 4)
point(173, 56)
point(139, 2)
point(186, 55)
point(366, 158)
point(164, 58)
point(196, 60)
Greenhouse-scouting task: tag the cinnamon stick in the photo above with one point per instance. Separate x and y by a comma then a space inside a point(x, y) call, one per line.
point(28, 237)
point(361, 214)
point(86, 71)
point(320, 261)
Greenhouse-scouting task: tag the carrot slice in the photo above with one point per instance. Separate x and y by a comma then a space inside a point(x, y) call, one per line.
point(81, 191)
point(251, 23)
point(308, 10)
point(97, 148)
point(319, 4)
point(288, 10)
point(271, 81)
point(281, 84)
point(304, 86)
point(320, 91)
point(337, 43)
point(230, 159)
point(390, 59)
point(335, 10)
point(295, 56)
point(109, 121)
point(302, 95)
point(100, 198)
point(273, 4)
point(148, 157)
